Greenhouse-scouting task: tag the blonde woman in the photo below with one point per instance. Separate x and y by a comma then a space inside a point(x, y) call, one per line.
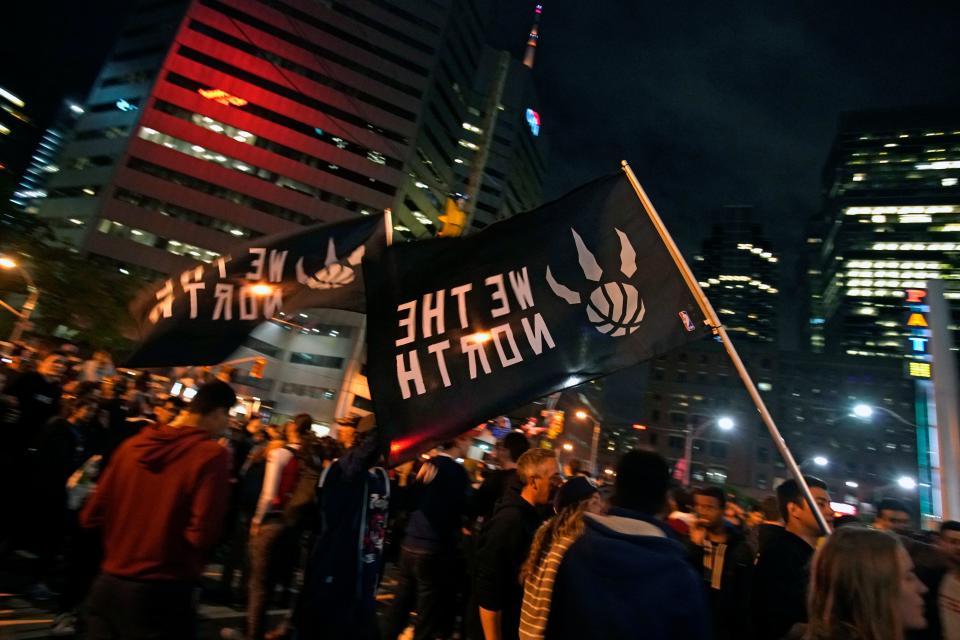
point(862, 587)
point(575, 498)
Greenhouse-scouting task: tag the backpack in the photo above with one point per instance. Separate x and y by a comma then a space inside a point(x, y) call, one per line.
point(303, 493)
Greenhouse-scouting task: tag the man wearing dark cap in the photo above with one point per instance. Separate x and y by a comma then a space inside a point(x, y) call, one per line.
point(160, 506)
point(625, 577)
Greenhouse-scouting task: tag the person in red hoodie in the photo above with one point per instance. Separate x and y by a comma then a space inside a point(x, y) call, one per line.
point(160, 505)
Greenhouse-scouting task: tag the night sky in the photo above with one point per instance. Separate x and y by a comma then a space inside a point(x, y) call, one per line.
point(712, 103)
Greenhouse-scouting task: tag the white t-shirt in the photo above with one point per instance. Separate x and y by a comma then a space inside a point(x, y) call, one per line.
point(948, 602)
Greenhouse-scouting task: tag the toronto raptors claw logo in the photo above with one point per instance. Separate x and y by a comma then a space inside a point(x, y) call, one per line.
point(614, 308)
point(335, 273)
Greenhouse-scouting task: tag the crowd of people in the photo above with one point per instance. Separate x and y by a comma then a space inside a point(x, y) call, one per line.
point(126, 494)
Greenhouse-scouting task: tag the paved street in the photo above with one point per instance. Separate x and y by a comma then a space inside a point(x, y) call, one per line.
point(24, 619)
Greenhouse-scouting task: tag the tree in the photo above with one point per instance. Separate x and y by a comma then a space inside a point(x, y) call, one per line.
point(79, 296)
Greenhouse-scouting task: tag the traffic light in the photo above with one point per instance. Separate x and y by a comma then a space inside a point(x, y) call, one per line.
point(256, 371)
point(452, 221)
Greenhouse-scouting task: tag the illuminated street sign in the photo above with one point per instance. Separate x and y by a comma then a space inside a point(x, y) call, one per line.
point(919, 369)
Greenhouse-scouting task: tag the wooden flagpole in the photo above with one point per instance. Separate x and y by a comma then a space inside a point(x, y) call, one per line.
point(721, 331)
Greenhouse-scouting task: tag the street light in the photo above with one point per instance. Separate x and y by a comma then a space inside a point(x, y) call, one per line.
point(906, 482)
point(567, 447)
point(863, 411)
point(595, 443)
point(23, 316)
point(725, 423)
point(820, 461)
point(866, 411)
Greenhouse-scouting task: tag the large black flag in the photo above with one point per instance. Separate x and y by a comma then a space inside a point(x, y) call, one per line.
point(463, 329)
point(202, 315)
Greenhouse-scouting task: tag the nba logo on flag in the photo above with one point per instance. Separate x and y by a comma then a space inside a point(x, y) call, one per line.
point(687, 322)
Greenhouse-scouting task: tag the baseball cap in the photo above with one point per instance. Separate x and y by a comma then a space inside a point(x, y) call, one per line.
point(573, 491)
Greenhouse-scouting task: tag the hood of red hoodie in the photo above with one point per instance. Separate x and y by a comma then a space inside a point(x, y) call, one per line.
point(161, 446)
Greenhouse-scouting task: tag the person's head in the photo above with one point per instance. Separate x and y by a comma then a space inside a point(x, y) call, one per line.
point(297, 429)
point(949, 542)
point(642, 481)
point(536, 469)
point(579, 490)
point(82, 410)
point(770, 508)
point(458, 447)
point(54, 366)
point(892, 515)
point(574, 467)
point(754, 516)
point(681, 500)
point(709, 504)
point(794, 510)
point(211, 405)
point(167, 410)
point(862, 585)
point(510, 448)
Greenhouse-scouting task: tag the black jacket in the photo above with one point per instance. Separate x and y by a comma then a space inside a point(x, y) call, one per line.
point(780, 585)
point(501, 551)
point(730, 604)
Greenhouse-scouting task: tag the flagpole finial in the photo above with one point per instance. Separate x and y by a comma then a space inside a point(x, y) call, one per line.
point(623, 164)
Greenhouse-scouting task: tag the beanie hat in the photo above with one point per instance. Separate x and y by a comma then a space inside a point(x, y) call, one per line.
point(573, 491)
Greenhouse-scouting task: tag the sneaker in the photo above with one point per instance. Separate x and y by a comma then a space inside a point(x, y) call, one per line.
point(64, 625)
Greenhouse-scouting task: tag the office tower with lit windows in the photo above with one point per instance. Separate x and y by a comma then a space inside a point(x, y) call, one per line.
point(43, 164)
point(502, 172)
point(891, 221)
point(15, 139)
point(739, 272)
point(212, 122)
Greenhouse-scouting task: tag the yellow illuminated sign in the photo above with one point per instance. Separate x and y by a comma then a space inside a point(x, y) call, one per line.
point(916, 320)
point(919, 370)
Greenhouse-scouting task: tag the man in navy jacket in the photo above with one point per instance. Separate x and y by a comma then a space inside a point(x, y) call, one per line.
point(625, 577)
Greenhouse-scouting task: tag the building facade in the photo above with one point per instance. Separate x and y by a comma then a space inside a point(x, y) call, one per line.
point(739, 271)
point(811, 398)
point(32, 187)
point(891, 221)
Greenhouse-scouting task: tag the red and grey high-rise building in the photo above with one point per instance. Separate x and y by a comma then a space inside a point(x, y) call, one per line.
point(217, 121)
point(213, 122)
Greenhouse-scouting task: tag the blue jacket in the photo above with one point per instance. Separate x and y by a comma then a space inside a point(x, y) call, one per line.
point(626, 578)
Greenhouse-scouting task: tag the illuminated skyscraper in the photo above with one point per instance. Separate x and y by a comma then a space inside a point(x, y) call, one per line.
point(214, 122)
point(891, 221)
point(43, 164)
point(739, 272)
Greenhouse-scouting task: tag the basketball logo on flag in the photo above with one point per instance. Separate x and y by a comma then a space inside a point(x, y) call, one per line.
point(335, 274)
point(613, 308)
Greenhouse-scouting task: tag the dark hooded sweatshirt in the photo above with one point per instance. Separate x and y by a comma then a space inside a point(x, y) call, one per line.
point(161, 504)
point(626, 578)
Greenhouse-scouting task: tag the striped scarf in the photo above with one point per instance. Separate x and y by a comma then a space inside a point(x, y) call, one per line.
point(538, 591)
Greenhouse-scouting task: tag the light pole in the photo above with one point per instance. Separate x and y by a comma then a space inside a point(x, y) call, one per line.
point(820, 461)
point(865, 412)
point(23, 316)
point(725, 423)
point(595, 442)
